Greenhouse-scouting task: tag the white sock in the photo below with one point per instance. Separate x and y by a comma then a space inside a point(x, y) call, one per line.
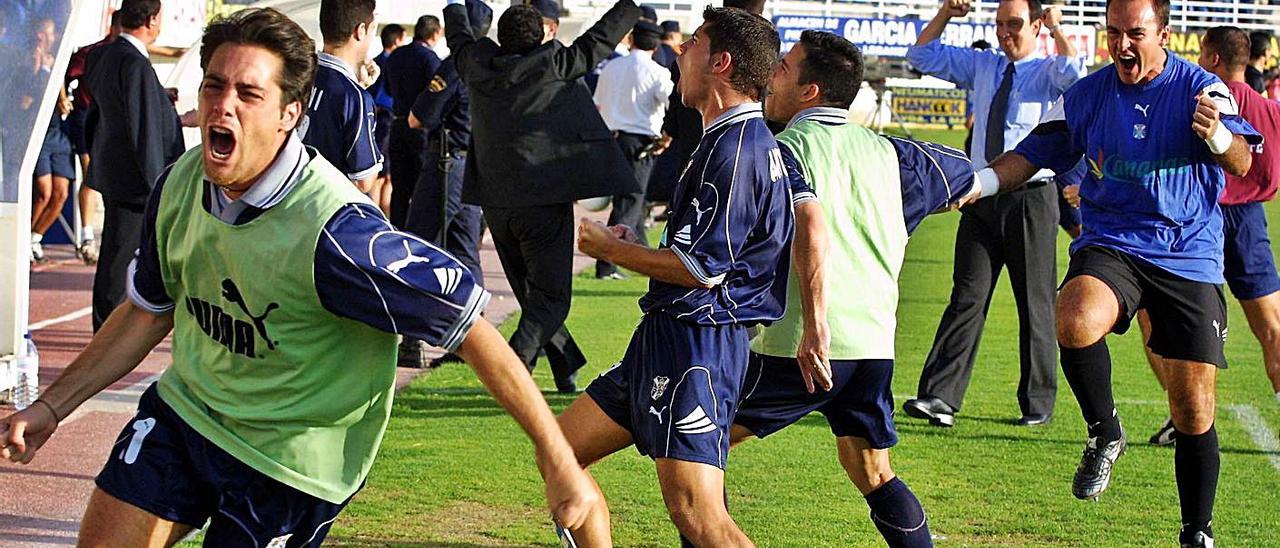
point(1277, 397)
point(36, 237)
point(86, 233)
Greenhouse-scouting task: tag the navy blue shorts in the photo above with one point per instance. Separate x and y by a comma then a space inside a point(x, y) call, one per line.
point(676, 388)
point(1248, 265)
point(73, 126)
point(163, 466)
point(859, 404)
point(56, 158)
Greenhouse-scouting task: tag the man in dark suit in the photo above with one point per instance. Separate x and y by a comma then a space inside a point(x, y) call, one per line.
point(538, 144)
point(136, 135)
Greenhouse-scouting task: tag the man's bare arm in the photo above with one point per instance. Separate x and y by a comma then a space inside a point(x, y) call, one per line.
point(124, 340)
point(809, 253)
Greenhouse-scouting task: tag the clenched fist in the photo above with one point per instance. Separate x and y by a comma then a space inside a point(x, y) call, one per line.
point(1205, 120)
point(955, 8)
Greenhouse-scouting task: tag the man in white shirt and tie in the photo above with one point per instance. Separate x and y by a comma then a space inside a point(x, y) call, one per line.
point(632, 95)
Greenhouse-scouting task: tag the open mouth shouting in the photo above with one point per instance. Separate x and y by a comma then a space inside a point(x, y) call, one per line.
point(221, 142)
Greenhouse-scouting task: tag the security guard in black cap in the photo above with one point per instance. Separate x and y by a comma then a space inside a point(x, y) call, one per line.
point(436, 211)
point(666, 54)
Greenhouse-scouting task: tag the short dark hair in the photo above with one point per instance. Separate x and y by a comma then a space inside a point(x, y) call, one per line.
point(134, 14)
point(1161, 8)
point(1230, 43)
point(271, 30)
point(1259, 42)
point(426, 27)
point(751, 42)
point(1035, 9)
point(834, 64)
point(520, 29)
point(980, 44)
point(391, 34)
point(645, 41)
point(340, 18)
point(115, 18)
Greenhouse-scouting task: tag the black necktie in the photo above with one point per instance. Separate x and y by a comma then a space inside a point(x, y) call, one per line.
point(998, 114)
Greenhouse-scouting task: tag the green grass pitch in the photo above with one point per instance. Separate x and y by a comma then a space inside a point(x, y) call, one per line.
point(455, 471)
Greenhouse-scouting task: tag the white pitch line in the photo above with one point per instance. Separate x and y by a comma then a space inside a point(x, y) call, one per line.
point(1263, 436)
point(60, 319)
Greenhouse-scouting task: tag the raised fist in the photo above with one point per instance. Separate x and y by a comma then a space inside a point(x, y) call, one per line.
point(955, 8)
point(1052, 17)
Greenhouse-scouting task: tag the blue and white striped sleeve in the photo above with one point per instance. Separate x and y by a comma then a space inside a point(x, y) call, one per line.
point(368, 271)
point(801, 191)
point(933, 177)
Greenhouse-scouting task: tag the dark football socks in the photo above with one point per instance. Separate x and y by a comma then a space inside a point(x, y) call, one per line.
point(897, 513)
point(1088, 371)
point(1195, 465)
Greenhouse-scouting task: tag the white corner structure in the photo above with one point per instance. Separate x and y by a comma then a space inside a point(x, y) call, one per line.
point(78, 22)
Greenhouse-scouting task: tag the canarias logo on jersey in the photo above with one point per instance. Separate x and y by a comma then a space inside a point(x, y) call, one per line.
point(1117, 168)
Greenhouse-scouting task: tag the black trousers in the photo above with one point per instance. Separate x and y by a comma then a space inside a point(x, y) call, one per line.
point(121, 232)
point(535, 245)
point(433, 203)
point(1017, 231)
point(408, 154)
point(628, 209)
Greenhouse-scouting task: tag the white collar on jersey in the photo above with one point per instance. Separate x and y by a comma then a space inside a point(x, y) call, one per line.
point(333, 62)
point(826, 115)
point(745, 111)
point(270, 188)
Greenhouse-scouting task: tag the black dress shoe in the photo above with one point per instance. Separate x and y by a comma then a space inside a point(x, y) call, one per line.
point(1035, 419)
point(936, 411)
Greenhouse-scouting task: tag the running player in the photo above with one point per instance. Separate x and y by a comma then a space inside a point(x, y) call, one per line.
point(873, 191)
point(284, 288)
point(1158, 132)
point(721, 267)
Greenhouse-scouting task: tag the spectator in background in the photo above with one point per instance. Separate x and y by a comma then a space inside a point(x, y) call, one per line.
point(78, 132)
point(632, 97)
point(1259, 52)
point(592, 78)
point(436, 212)
point(54, 169)
point(980, 45)
point(1012, 89)
point(538, 144)
point(408, 69)
point(137, 134)
point(666, 53)
point(393, 36)
point(340, 120)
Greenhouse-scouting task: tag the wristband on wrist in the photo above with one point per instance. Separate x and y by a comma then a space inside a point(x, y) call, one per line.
point(1220, 141)
point(49, 406)
point(988, 182)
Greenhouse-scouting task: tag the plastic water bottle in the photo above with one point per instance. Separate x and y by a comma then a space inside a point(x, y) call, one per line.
point(27, 388)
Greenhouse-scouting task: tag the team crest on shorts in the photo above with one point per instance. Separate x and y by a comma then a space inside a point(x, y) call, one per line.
point(659, 387)
point(1139, 131)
